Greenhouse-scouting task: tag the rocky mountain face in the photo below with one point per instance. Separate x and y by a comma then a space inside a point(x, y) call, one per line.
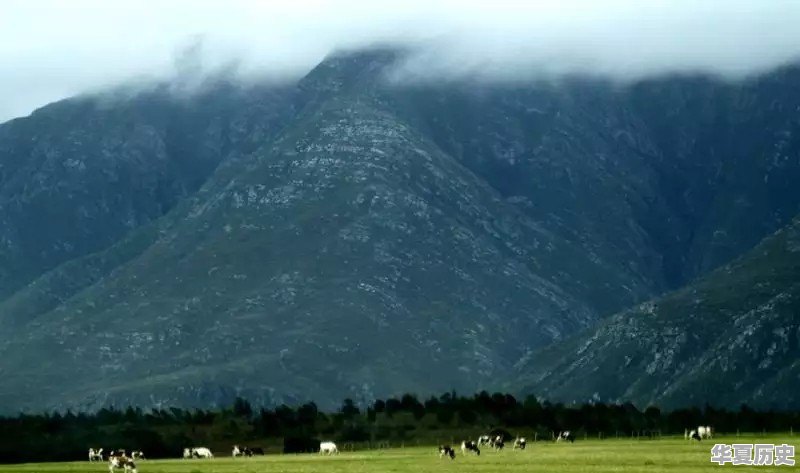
point(78, 175)
point(352, 236)
point(732, 337)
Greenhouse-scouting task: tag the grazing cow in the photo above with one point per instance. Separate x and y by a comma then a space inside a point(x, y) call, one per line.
point(95, 454)
point(201, 452)
point(137, 455)
point(693, 435)
point(519, 443)
point(328, 448)
point(197, 452)
point(447, 450)
point(497, 443)
point(246, 451)
point(484, 440)
point(704, 431)
point(566, 435)
point(470, 446)
point(121, 462)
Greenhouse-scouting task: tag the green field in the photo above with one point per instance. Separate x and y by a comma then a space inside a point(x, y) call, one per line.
point(669, 454)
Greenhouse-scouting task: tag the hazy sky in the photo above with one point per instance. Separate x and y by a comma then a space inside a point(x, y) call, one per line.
point(54, 49)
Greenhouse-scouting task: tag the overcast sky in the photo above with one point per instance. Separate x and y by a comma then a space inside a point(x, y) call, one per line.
point(54, 49)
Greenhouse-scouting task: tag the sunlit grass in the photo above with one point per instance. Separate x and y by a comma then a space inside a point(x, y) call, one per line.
point(613, 455)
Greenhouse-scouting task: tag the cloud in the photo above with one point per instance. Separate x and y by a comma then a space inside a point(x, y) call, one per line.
point(50, 49)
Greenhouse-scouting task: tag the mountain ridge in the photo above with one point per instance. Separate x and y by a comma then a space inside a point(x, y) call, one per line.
point(353, 238)
point(429, 194)
point(729, 338)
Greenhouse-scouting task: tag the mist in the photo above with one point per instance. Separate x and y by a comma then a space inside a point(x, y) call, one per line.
point(51, 49)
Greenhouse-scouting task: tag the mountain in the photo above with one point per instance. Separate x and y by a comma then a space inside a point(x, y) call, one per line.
point(729, 338)
point(670, 177)
point(348, 256)
point(78, 175)
point(352, 236)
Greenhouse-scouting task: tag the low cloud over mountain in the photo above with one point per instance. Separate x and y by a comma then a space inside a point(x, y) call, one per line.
point(51, 50)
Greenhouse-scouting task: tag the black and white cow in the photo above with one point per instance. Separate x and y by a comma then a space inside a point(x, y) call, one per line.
point(137, 455)
point(446, 450)
point(566, 435)
point(694, 435)
point(119, 452)
point(95, 454)
point(704, 431)
point(247, 451)
point(519, 443)
point(197, 452)
point(121, 462)
point(497, 443)
point(251, 451)
point(470, 446)
point(484, 440)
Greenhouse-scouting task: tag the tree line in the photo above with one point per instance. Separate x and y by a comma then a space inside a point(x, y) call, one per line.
point(64, 436)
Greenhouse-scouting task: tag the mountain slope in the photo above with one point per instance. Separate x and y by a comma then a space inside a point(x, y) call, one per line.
point(732, 337)
point(349, 236)
point(78, 175)
point(350, 257)
point(669, 177)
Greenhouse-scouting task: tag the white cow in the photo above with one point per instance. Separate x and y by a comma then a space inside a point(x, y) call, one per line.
point(328, 448)
point(137, 455)
point(519, 443)
point(693, 435)
point(704, 431)
point(202, 452)
point(121, 462)
point(95, 454)
point(187, 453)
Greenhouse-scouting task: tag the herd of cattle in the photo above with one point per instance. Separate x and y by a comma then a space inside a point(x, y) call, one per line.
point(496, 443)
point(120, 460)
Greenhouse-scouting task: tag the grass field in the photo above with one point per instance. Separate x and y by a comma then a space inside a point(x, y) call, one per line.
point(665, 455)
